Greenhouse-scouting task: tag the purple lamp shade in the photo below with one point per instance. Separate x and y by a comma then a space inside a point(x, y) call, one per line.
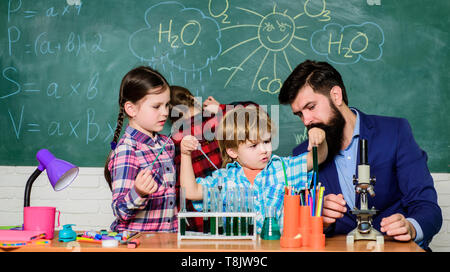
point(59, 172)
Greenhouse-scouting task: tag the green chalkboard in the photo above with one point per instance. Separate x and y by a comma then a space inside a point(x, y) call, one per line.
point(62, 62)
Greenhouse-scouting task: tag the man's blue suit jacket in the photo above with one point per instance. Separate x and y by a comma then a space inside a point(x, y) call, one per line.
point(403, 182)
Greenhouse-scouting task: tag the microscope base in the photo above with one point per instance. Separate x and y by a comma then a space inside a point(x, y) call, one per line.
point(373, 234)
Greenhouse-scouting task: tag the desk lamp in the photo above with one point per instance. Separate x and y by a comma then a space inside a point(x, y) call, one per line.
point(59, 172)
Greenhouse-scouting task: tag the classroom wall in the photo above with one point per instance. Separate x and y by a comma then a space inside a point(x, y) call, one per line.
point(62, 64)
point(87, 201)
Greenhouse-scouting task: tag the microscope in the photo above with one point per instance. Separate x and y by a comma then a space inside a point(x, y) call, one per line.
point(364, 187)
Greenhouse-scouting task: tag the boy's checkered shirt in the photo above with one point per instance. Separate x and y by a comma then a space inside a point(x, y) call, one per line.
point(269, 184)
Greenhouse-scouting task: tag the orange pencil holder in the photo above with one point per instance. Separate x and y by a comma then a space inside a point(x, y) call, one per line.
point(305, 224)
point(317, 238)
point(291, 237)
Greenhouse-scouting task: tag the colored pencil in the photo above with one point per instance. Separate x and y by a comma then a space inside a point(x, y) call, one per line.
point(285, 176)
point(88, 240)
point(316, 173)
point(319, 205)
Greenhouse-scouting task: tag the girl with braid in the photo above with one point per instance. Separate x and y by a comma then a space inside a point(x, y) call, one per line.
point(140, 169)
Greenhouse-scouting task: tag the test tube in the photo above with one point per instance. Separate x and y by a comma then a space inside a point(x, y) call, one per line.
point(229, 208)
point(219, 209)
point(250, 208)
point(213, 209)
point(182, 209)
point(236, 209)
point(220, 181)
point(243, 208)
point(220, 205)
point(205, 209)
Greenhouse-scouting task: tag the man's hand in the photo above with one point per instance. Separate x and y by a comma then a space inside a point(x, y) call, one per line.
point(398, 227)
point(333, 208)
point(316, 136)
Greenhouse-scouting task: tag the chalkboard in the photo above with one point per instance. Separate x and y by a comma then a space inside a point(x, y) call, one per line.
point(62, 62)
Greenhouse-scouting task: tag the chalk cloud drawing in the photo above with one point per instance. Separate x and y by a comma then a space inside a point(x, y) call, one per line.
point(349, 44)
point(183, 37)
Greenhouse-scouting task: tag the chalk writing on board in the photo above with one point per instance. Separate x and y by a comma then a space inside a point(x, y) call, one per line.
point(275, 33)
point(216, 13)
point(44, 45)
point(374, 2)
point(73, 2)
point(300, 138)
point(22, 122)
point(348, 44)
point(53, 89)
point(323, 15)
point(229, 68)
point(185, 38)
point(15, 9)
point(15, 89)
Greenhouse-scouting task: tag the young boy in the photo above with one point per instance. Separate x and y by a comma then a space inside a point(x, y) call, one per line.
point(244, 137)
point(187, 114)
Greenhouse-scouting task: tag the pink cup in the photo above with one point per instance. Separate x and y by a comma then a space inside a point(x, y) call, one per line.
point(40, 218)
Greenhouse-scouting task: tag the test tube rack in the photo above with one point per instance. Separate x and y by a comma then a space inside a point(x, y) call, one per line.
point(216, 215)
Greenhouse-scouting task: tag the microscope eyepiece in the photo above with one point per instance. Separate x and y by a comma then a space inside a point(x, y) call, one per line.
point(363, 150)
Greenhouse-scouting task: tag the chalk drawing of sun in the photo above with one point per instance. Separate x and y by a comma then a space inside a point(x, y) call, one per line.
point(277, 32)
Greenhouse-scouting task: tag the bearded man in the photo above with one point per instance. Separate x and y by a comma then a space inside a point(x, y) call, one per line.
point(406, 199)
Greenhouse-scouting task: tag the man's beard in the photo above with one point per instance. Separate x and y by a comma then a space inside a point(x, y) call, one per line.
point(334, 132)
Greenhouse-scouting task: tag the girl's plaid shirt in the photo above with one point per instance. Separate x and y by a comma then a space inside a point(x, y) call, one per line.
point(156, 212)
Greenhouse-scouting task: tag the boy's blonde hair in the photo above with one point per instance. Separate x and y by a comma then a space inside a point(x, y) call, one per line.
point(240, 125)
